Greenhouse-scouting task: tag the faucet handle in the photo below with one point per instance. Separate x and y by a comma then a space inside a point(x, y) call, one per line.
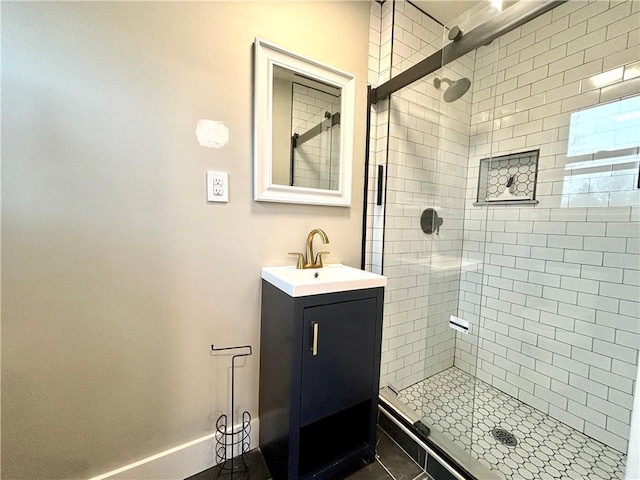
point(318, 261)
point(300, 264)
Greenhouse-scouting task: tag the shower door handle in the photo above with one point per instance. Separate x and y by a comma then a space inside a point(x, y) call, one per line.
point(314, 338)
point(380, 178)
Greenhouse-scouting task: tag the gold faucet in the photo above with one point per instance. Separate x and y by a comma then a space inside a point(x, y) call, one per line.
point(310, 261)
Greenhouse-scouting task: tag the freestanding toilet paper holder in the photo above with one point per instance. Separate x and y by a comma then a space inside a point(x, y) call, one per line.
point(229, 441)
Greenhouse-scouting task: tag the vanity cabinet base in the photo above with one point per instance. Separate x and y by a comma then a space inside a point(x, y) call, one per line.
point(319, 380)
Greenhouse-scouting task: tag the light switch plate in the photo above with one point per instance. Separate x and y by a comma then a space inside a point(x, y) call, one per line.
point(217, 186)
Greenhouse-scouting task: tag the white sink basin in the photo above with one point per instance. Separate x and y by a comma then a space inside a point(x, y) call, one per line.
point(334, 277)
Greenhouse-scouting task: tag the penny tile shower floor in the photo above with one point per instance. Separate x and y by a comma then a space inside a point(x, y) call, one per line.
point(546, 448)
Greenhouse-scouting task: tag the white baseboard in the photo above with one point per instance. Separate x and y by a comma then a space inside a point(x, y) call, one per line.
point(176, 463)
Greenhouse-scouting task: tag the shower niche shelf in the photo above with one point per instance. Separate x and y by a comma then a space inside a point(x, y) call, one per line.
point(508, 179)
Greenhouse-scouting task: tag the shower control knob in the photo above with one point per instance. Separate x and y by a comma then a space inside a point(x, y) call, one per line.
point(430, 221)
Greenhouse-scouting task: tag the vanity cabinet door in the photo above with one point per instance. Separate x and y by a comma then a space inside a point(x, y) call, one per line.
point(339, 372)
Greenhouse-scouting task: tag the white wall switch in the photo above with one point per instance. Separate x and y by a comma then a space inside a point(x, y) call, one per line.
point(217, 186)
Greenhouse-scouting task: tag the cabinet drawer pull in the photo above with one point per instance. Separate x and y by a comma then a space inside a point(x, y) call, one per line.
point(314, 341)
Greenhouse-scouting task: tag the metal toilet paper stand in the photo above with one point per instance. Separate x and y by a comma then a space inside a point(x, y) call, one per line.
point(229, 441)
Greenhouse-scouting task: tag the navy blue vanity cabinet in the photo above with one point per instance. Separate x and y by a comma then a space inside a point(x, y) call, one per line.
point(319, 380)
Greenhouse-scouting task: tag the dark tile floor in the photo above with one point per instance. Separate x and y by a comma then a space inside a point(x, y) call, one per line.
point(392, 463)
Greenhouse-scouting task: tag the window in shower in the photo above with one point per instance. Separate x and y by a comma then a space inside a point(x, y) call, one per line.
point(605, 128)
point(603, 155)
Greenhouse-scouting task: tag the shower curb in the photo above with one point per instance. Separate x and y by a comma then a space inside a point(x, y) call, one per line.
point(417, 445)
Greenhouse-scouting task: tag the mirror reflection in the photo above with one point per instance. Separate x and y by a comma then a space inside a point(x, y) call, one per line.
point(306, 131)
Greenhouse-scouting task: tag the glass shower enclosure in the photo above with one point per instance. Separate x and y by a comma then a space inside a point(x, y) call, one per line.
point(503, 207)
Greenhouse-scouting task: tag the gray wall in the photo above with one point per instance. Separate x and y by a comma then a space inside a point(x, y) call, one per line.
point(117, 275)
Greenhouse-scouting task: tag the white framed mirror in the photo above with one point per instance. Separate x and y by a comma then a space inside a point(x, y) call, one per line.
point(303, 129)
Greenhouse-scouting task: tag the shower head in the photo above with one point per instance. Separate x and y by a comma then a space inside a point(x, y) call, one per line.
point(456, 88)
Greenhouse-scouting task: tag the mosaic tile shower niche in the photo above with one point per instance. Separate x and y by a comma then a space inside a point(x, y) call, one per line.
point(508, 178)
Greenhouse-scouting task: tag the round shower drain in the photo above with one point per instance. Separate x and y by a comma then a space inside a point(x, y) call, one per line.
point(504, 437)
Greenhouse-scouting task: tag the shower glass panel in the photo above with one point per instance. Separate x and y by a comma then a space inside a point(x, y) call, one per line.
point(511, 207)
point(559, 187)
point(427, 151)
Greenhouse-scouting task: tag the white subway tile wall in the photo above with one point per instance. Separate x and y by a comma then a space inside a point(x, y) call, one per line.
point(551, 290)
point(380, 32)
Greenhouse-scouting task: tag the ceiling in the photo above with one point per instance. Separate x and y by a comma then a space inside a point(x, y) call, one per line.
point(445, 10)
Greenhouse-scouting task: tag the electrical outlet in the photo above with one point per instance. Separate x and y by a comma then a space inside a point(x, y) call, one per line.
point(217, 186)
